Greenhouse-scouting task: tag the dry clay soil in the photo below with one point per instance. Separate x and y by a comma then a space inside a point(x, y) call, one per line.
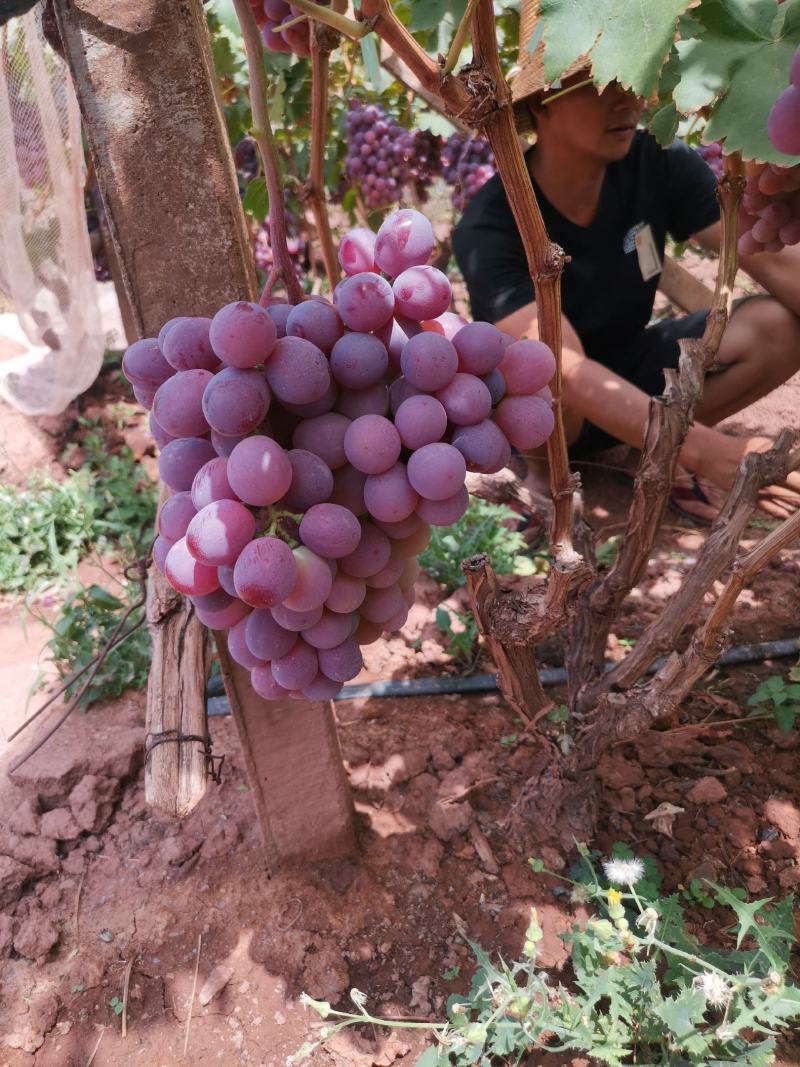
point(97, 890)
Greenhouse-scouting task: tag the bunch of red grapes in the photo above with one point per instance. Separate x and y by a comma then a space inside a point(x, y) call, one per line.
point(783, 124)
point(309, 449)
point(468, 163)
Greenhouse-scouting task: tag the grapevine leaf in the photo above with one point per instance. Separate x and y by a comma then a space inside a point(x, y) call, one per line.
point(625, 40)
point(369, 53)
point(427, 14)
point(256, 200)
point(664, 124)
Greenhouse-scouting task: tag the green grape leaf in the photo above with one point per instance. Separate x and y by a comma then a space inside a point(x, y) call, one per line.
point(256, 200)
point(427, 14)
point(625, 40)
point(739, 66)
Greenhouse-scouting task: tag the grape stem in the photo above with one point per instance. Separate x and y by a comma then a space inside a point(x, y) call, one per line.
point(262, 135)
point(274, 275)
point(459, 38)
point(315, 188)
point(346, 26)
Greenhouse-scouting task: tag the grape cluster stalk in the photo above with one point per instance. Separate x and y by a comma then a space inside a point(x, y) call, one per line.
point(309, 448)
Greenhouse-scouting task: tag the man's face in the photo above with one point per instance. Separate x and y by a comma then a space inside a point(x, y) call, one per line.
point(601, 125)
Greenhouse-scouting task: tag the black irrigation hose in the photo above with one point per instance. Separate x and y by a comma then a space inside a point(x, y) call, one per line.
point(217, 703)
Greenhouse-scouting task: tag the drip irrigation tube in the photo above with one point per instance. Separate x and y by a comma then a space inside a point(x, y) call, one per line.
point(217, 703)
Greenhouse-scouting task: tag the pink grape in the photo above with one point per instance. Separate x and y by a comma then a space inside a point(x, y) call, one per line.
point(414, 543)
point(422, 293)
point(330, 530)
point(357, 251)
point(393, 337)
point(437, 471)
point(380, 604)
point(411, 570)
point(342, 662)
point(397, 621)
point(389, 496)
point(348, 489)
point(181, 459)
point(420, 420)
point(356, 402)
point(404, 240)
point(237, 645)
point(243, 334)
point(389, 575)
point(322, 688)
point(368, 632)
point(219, 532)
point(371, 556)
point(372, 444)
point(483, 446)
point(399, 391)
point(162, 333)
point(315, 321)
point(401, 529)
point(448, 324)
point(358, 361)
point(223, 444)
point(160, 435)
point(186, 575)
point(187, 345)
point(218, 611)
point(429, 362)
point(480, 348)
point(236, 401)
point(161, 547)
point(225, 575)
point(265, 572)
point(316, 407)
point(211, 483)
point(178, 403)
point(297, 371)
point(174, 516)
point(143, 364)
point(312, 480)
point(466, 400)
point(496, 384)
point(314, 581)
point(259, 471)
point(527, 367)
point(527, 421)
point(296, 620)
point(144, 396)
point(331, 630)
point(444, 512)
point(783, 123)
point(279, 313)
point(297, 37)
point(262, 678)
point(265, 638)
point(365, 301)
point(324, 436)
point(346, 593)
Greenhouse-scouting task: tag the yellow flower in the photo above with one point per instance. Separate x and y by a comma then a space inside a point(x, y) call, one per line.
point(614, 897)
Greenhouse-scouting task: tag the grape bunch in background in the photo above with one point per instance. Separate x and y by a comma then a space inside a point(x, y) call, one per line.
point(295, 243)
point(468, 163)
point(309, 449)
point(712, 155)
point(285, 28)
point(769, 217)
point(783, 124)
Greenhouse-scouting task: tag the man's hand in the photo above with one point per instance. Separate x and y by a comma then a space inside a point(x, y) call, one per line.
point(720, 459)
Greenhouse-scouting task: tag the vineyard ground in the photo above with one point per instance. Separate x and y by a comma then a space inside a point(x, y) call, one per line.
point(433, 781)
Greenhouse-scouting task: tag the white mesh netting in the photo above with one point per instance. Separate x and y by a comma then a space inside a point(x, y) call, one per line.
point(46, 273)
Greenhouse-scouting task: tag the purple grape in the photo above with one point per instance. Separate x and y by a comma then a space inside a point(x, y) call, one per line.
point(298, 668)
point(496, 384)
point(279, 313)
point(181, 459)
point(371, 556)
point(162, 333)
point(399, 391)
point(161, 547)
point(317, 407)
point(346, 594)
point(389, 575)
point(429, 362)
point(178, 403)
point(312, 481)
point(466, 400)
point(404, 240)
point(236, 401)
point(174, 516)
point(223, 444)
point(219, 532)
point(357, 251)
point(393, 337)
point(398, 530)
point(265, 638)
point(358, 402)
point(322, 688)
point(316, 321)
point(144, 365)
point(483, 446)
point(225, 575)
point(365, 301)
point(372, 444)
point(359, 361)
point(422, 293)
point(265, 572)
point(480, 348)
point(527, 367)
point(297, 371)
point(237, 645)
point(348, 489)
point(144, 396)
point(314, 580)
point(420, 420)
point(211, 483)
point(448, 324)
point(437, 471)
point(444, 512)
point(218, 611)
point(342, 662)
point(261, 678)
point(331, 630)
point(186, 575)
point(389, 496)
point(243, 334)
point(324, 436)
point(296, 621)
point(259, 471)
point(527, 421)
point(330, 530)
point(783, 123)
point(187, 345)
point(381, 604)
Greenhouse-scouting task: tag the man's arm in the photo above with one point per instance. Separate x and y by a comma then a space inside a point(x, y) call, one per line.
point(778, 272)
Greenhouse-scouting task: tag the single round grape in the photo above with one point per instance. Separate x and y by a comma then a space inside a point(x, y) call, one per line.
point(316, 321)
point(422, 293)
point(372, 553)
point(480, 348)
point(348, 489)
point(357, 402)
point(297, 371)
point(357, 251)
point(187, 345)
point(527, 421)
point(389, 575)
point(237, 645)
point(160, 435)
point(466, 400)
point(161, 547)
point(372, 444)
point(496, 384)
point(265, 572)
point(483, 446)
point(259, 471)
point(314, 581)
point(225, 575)
point(404, 240)
point(312, 480)
point(178, 403)
point(181, 459)
point(368, 632)
point(342, 662)
point(393, 337)
point(527, 367)
point(265, 637)
point(330, 530)
point(437, 471)
point(420, 420)
point(399, 391)
point(279, 313)
point(219, 532)
point(346, 593)
point(389, 496)
point(211, 483)
point(297, 37)
point(162, 333)
point(298, 668)
point(401, 529)
point(358, 361)
point(143, 364)
point(185, 574)
point(448, 324)
point(444, 512)
point(223, 444)
point(174, 516)
point(218, 610)
point(261, 678)
point(413, 544)
point(243, 334)
point(296, 621)
point(331, 630)
point(365, 301)
point(397, 621)
point(783, 123)
point(380, 604)
point(324, 436)
point(409, 575)
point(144, 396)
point(429, 362)
point(322, 688)
point(317, 407)
point(236, 401)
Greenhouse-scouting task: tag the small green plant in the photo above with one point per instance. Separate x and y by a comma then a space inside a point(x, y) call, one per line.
point(643, 989)
point(463, 645)
point(699, 892)
point(780, 697)
point(483, 528)
point(606, 553)
point(116, 1005)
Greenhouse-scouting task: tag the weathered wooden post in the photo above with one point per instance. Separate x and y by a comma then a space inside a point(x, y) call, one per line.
point(144, 76)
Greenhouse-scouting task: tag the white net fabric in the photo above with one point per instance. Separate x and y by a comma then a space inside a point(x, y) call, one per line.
point(46, 272)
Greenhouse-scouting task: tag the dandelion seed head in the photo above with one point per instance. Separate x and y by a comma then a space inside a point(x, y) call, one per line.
point(714, 988)
point(624, 872)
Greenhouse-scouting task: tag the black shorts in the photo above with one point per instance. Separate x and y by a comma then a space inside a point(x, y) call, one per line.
point(642, 363)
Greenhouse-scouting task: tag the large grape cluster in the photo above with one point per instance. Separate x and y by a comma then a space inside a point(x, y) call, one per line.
point(468, 163)
point(783, 124)
point(769, 217)
point(310, 448)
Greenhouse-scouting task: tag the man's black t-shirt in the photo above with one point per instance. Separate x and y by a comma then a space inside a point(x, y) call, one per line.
point(603, 292)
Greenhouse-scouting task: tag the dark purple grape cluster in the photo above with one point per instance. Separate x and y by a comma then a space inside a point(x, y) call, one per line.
point(245, 158)
point(310, 448)
point(712, 155)
point(467, 164)
point(783, 124)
